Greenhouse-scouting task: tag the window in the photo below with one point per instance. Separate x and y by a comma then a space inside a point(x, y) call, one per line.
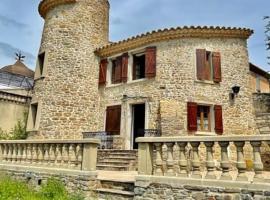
point(113, 120)
point(116, 72)
point(208, 65)
point(205, 118)
point(41, 65)
point(33, 117)
point(258, 84)
point(138, 66)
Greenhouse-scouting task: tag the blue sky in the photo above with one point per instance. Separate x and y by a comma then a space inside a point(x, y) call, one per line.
point(21, 26)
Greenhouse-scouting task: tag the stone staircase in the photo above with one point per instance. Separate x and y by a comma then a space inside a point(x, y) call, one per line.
point(117, 189)
point(117, 160)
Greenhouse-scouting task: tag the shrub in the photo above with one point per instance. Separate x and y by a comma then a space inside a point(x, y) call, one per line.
point(53, 190)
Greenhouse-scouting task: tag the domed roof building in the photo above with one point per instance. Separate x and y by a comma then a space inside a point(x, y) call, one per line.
point(16, 83)
point(17, 75)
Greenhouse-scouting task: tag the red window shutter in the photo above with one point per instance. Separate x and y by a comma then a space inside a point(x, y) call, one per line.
point(218, 119)
point(103, 72)
point(118, 70)
point(216, 62)
point(125, 67)
point(113, 120)
point(150, 62)
point(201, 63)
point(192, 116)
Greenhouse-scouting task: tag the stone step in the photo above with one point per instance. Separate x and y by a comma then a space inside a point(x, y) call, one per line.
point(114, 194)
point(112, 167)
point(120, 158)
point(122, 154)
point(115, 163)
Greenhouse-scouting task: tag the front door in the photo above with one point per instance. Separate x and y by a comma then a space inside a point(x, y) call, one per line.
point(138, 122)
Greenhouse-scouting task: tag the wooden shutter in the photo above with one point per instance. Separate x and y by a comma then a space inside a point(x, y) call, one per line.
point(125, 67)
point(113, 120)
point(192, 116)
point(118, 70)
point(150, 62)
point(216, 63)
point(218, 119)
point(201, 63)
point(103, 72)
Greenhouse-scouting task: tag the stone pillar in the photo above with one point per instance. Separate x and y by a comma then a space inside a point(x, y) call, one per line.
point(145, 159)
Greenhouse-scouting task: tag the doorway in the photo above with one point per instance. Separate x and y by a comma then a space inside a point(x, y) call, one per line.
point(138, 122)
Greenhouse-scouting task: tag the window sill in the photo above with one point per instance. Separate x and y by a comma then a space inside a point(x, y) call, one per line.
point(202, 133)
point(206, 82)
point(39, 78)
point(32, 130)
point(113, 85)
point(137, 80)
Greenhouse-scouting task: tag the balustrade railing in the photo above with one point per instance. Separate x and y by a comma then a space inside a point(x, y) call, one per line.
point(167, 156)
point(63, 154)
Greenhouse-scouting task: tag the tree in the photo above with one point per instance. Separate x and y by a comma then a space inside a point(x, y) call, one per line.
point(267, 32)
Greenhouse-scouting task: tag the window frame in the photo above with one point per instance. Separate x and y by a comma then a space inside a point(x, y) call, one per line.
point(33, 121)
point(133, 70)
point(41, 68)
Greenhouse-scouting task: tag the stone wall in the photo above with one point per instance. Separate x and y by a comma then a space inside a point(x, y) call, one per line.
point(191, 189)
point(12, 109)
point(189, 192)
point(68, 91)
point(261, 102)
point(73, 182)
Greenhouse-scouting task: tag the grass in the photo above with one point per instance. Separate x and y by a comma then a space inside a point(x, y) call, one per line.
point(17, 190)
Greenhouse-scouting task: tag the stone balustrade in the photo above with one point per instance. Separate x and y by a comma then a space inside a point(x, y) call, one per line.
point(157, 157)
point(61, 154)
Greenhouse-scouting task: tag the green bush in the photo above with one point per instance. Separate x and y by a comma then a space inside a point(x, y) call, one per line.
point(18, 132)
point(52, 190)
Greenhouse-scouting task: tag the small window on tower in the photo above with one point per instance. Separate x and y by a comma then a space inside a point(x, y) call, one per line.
point(41, 65)
point(33, 117)
point(138, 66)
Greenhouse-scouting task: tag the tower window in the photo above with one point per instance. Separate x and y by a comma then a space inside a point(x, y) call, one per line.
point(33, 117)
point(41, 65)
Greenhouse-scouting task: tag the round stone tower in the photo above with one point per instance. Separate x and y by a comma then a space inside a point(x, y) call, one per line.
point(66, 87)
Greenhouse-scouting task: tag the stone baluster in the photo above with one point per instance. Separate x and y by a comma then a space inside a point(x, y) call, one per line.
point(241, 164)
point(65, 155)
point(79, 156)
point(34, 154)
point(58, 154)
point(20, 153)
point(41, 153)
point(14, 153)
point(5, 155)
point(196, 161)
point(10, 152)
point(210, 164)
point(158, 171)
point(1, 152)
point(258, 165)
point(29, 153)
point(182, 159)
point(24, 155)
point(72, 156)
point(46, 153)
point(225, 164)
point(170, 161)
point(52, 154)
